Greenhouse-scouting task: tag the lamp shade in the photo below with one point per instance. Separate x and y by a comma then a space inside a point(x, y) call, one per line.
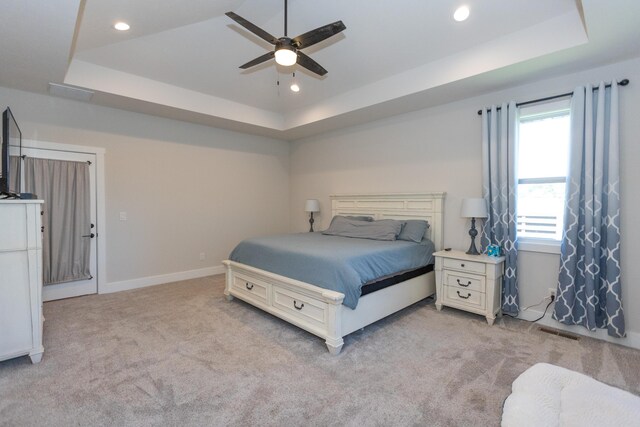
point(473, 208)
point(312, 205)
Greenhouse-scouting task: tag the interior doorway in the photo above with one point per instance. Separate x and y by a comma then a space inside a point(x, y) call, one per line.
point(67, 179)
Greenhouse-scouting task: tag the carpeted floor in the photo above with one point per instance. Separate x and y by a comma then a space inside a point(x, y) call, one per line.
point(180, 354)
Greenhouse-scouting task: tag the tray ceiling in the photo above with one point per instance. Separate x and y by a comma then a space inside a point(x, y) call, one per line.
point(180, 59)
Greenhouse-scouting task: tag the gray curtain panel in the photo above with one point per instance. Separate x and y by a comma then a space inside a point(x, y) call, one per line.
point(64, 187)
point(14, 172)
point(499, 187)
point(589, 288)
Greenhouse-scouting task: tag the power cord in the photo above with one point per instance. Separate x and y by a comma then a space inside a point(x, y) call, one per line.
point(536, 304)
point(553, 298)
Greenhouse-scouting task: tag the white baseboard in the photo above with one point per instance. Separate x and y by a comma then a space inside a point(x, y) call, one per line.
point(143, 282)
point(68, 290)
point(631, 340)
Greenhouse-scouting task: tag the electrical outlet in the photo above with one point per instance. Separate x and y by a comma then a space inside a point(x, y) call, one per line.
point(201, 256)
point(551, 293)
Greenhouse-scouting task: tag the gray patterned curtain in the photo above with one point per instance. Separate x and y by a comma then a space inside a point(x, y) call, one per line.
point(499, 187)
point(15, 163)
point(64, 187)
point(589, 289)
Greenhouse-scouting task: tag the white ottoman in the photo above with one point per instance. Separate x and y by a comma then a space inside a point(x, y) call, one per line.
point(548, 395)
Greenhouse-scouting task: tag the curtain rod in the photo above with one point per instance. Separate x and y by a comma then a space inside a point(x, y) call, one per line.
point(24, 156)
point(623, 82)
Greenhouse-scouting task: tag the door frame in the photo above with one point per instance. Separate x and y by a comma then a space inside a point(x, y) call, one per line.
point(101, 229)
point(78, 287)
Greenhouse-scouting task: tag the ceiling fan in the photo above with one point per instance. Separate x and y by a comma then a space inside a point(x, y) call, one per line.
point(287, 50)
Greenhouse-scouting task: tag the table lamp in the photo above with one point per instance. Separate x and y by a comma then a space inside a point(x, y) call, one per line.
point(473, 208)
point(311, 206)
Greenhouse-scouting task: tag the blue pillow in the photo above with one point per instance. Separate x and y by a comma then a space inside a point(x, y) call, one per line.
point(359, 217)
point(386, 229)
point(413, 230)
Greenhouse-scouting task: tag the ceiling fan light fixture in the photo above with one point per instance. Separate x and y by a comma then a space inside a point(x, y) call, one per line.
point(286, 56)
point(288, 51)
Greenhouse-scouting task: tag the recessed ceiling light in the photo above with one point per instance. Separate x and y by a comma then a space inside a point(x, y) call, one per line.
point(121, 26)
point(461, 13)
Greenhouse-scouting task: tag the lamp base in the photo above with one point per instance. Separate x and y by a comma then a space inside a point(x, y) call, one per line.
point(472, 249)
point(473, 233)
point(311, 221)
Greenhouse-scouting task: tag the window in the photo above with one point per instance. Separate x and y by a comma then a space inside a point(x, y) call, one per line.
point(543, 161)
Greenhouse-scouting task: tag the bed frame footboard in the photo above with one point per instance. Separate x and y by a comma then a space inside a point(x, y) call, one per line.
point(309, 307)
point(318, 310)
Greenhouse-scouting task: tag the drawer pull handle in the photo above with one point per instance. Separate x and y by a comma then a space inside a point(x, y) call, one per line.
point(249, 285)
point(461, 265)
point(467, 297)
point(295, 304)
point(462, 284)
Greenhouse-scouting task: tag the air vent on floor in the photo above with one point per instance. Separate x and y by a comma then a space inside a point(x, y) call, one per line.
point(559, 333)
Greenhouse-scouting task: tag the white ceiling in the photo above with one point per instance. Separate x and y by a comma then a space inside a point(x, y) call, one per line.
point(180, 59)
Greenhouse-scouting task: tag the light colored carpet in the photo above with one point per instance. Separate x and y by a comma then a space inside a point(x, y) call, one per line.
point(180, 354)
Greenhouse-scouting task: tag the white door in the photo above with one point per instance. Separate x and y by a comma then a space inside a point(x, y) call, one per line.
point(79, 287)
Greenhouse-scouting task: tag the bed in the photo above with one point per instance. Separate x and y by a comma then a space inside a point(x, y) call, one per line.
point(321, 311)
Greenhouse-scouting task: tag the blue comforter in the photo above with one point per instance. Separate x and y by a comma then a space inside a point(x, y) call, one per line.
point(341, 264)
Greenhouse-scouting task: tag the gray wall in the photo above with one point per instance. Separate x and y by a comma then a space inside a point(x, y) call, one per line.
point(186, 188)
point(189, 189)
point(440, 149)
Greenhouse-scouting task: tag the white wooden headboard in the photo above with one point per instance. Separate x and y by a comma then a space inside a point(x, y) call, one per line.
point(428, 206)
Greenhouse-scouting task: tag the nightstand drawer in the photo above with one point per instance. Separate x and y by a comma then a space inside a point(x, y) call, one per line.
point(464, 281)
point(466, 297)
point(463, 265)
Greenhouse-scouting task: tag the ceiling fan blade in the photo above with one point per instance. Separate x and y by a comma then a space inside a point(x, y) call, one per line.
point(259, 60)
point(315, 36)
point(253, 28)
point(310, 64)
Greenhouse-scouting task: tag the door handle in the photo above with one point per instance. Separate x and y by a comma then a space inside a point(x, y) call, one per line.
point(92, 235)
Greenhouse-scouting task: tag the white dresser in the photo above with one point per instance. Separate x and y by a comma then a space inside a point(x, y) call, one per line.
point(469, 282)
point(21, 279)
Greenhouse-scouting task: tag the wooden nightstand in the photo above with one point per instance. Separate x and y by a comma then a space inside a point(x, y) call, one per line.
point(469, 282)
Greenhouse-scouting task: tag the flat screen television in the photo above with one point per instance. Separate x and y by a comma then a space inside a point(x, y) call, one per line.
point(10, 171)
